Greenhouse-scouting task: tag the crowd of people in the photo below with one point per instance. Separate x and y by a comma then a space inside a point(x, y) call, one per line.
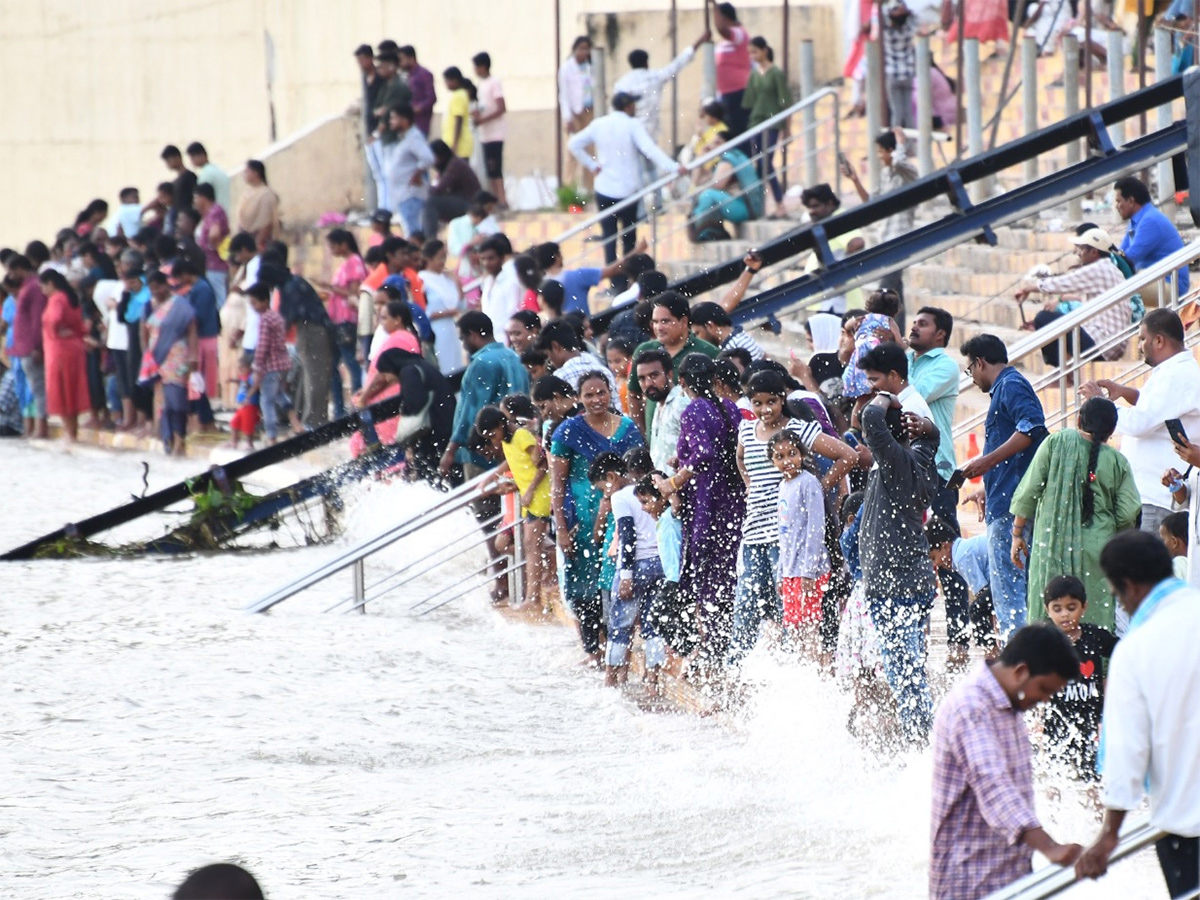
point(687, 497)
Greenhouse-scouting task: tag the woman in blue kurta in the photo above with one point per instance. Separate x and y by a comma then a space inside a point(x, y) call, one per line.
point(575, 503)
point(713, 497)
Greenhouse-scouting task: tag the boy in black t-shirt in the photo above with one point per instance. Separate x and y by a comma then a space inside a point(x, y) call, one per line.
point(1072, 716)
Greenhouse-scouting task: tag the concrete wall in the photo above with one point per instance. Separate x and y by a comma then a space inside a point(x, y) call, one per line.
point(93, 91)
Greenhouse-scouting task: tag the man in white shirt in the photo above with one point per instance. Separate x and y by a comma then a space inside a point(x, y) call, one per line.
point(406, 161)
point(654, 371)
point(1171, 392)
point(1151, 714)
point(575, 101)
point(502, 289)
point(642, 81)
point(618, 142)
point(489, 119)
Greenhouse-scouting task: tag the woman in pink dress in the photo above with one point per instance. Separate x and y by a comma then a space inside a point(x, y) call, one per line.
point(342, 294)
point(63, 331)
point(986, 20)
point(396, 320)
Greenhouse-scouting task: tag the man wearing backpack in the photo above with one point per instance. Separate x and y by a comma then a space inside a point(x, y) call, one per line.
point(1097, 273)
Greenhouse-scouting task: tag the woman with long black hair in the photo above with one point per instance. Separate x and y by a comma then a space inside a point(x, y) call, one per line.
point(713, 497)
point(63, 331)
point(1078, 492)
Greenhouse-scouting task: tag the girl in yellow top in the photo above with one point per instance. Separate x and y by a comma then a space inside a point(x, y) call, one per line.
point(526, 462)
point(456, 121)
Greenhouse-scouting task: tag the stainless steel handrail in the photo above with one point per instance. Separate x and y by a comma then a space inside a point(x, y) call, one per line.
point(445, 505)
point(1054, 879)
point(811, 100)
point(1057, 331)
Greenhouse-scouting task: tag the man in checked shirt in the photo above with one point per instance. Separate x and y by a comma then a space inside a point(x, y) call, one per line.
point(984, 829)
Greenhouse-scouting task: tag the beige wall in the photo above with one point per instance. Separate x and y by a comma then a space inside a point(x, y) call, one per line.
point(93, 90)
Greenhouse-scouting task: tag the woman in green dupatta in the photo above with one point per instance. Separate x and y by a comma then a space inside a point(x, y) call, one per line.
point(1079, 492)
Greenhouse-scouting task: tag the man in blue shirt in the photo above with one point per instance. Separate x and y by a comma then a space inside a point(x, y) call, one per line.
point(203, 299)
point(1015, 426)
point(577, 283)
point(1151, 236)
point(935, 377)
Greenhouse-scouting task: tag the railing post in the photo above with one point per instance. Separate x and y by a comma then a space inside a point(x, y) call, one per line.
point(1116, 81)
point(808, 85)
point(874, 109)
point(924, 107)
point(972, 74)
point(1070, 47)
point(1029, 98)
point(360, 586)
point(1162, 70)
point(516, 574)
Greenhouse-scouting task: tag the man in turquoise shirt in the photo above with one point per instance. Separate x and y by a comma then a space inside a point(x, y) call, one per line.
point(493, 373)
point(935, 377)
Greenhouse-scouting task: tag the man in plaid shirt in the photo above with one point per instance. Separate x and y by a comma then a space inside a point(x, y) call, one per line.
point(1096, 273)
point(899, 63)
point(984, 829)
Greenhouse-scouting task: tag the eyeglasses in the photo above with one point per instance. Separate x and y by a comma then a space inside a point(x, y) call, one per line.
point(970, 366)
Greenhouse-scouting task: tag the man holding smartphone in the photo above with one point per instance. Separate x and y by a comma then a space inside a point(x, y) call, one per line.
point(1171, 392)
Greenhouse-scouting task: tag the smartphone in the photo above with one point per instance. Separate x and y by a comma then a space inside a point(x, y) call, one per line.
point(957, 480)
point(1175, 430)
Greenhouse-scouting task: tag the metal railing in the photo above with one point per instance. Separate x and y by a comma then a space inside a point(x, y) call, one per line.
point(354, 558)
point(1053, 880)
point(800, 135)
point(1068, 328)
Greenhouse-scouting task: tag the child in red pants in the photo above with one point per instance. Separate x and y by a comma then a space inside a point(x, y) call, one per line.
point(803, 560)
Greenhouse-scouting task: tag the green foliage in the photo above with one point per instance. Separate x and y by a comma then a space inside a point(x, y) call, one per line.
point(212, 502)
point(570, 195)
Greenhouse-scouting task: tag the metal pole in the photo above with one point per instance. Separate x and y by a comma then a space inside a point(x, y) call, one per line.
point(516, 575)
point(1029, 97)
point(874, 108)
point(708, 61)
point(1162, 69)
point(958, 95)
point(1087, 55)
point(924, 106)
point(1116, 80)
point(787, 41)
point(1141, 54)
point(558, 131)
point(974, 110)
point(360, 586)
point(599, 86)
point(808, 84)
point(1070, 47)
point(674, 81)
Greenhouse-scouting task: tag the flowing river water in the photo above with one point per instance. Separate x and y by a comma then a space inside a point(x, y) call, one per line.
point(150, 726)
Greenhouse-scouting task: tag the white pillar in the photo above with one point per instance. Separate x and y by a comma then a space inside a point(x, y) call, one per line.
point(1029, 97)
point(972, 74)
point(1162, 69)
point(808, 86)
point(1070, 47)
point(924, 107)
point(875, 104)
point(1116, 80)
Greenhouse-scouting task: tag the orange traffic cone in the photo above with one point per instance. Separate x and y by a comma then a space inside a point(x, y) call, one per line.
point(972, 452)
